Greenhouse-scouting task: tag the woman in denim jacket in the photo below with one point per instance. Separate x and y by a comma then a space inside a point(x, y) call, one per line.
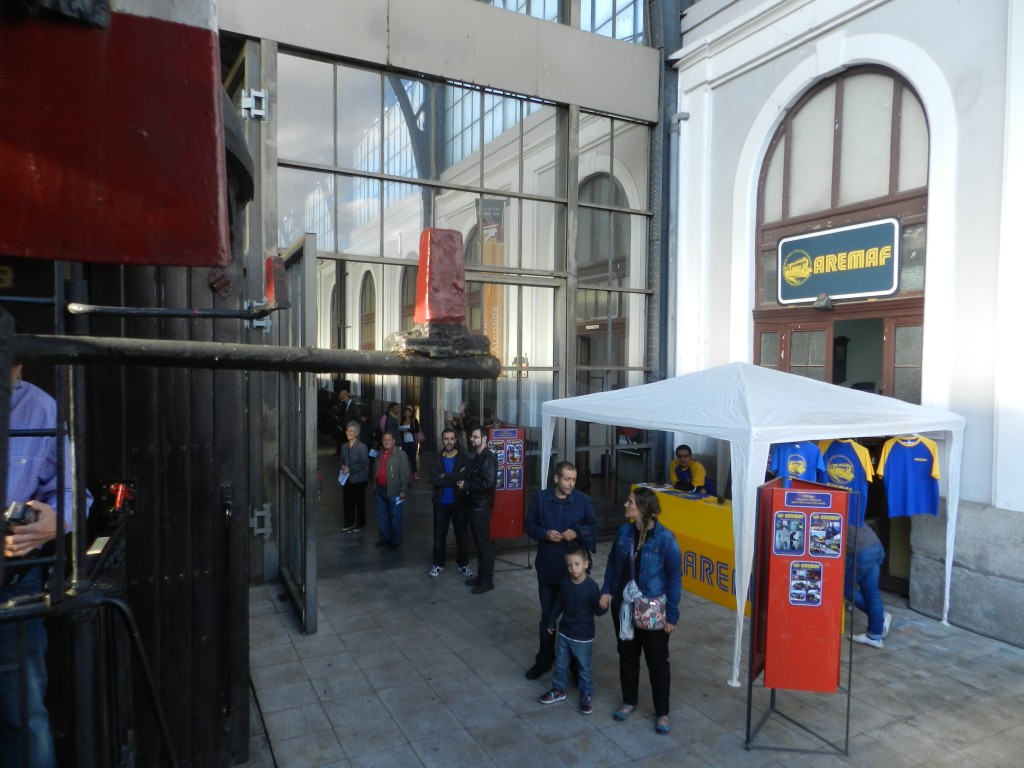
point(657, 570)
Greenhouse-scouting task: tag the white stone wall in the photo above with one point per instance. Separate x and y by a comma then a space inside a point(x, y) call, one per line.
point(743, 64)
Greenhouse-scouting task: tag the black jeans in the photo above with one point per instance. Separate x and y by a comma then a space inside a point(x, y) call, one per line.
point(455, 515)
point(353, 498)
point(653, 644)
point(548, 594)
point(480, 525)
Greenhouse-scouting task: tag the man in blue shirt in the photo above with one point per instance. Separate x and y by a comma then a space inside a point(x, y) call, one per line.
point(31, 479)
point(450, 466)
point(557, 516)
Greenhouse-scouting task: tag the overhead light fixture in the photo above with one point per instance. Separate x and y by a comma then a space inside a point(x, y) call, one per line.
point(823, 302)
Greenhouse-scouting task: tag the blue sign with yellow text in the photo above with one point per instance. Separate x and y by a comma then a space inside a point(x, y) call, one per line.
point(845, 263)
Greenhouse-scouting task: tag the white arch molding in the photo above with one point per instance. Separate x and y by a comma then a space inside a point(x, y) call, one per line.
point(927, 79)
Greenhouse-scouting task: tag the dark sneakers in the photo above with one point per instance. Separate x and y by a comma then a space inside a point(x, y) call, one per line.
point(586, 704)
point(479, 589)
point(552, 696)
point(473, 582)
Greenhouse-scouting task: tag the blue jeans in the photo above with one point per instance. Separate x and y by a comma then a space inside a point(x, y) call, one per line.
point(389, 516)
point(37, 721)
point(864, 591)
point(583, 651)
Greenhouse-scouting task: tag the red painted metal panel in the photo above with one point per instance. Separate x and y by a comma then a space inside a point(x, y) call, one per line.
point(806, 568)
point(441, 279)
point(111, 148)
point(507, 519)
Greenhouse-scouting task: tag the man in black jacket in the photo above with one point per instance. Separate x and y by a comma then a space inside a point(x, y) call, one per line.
point(345, 411)
point(479, 485)
point(558, 515)
point(449, 467)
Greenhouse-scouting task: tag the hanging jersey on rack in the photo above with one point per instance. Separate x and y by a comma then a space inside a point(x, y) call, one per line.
point(848, 466)
point(798, 460)
point(909, 467)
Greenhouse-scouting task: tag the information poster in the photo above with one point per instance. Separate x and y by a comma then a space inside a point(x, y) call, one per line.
point(802, 626)
point(509, 446)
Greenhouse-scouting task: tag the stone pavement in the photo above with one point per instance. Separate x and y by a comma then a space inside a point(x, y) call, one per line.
point(409, 670)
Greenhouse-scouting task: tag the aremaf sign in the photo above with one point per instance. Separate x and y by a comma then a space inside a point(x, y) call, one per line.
point(845, 263)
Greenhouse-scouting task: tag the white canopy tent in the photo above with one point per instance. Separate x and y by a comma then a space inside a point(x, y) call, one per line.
point(753, 408)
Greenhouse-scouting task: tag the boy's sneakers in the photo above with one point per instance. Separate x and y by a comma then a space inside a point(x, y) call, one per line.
point(586, 704)
point(886, 624)
point(863, 639)
point(552, 696)
point(466, 571)
point(436, 570)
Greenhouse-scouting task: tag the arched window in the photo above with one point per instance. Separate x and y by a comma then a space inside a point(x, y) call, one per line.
point(602, 249)
point(367, 313)
point(852, 151)
point(409, 275)
point(335, 320)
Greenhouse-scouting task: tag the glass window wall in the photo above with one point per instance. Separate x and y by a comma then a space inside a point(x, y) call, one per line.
point(618, 19)
point(394, 155)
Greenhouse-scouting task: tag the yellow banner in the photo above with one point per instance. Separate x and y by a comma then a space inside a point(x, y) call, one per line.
point(703, 529)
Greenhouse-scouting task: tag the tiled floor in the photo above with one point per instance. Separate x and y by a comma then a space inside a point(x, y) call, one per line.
point(409, 670)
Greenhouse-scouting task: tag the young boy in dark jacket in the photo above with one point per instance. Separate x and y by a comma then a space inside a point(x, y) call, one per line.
point(578, 603)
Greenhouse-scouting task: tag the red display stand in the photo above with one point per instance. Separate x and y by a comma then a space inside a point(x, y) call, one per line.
point(508, 444)
point(798, 606)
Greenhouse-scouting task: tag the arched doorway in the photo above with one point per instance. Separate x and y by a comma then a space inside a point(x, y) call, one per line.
point(412, 392)
point(367, 332)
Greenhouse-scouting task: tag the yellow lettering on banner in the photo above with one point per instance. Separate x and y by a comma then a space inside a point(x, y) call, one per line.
point(847, 262)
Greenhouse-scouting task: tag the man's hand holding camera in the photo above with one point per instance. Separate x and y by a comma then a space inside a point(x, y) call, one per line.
point(22, 539)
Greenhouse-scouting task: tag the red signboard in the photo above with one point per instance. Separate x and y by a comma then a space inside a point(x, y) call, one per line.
point(509, 445)
point(801, 557)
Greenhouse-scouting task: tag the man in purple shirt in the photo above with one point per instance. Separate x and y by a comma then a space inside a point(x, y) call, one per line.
point(32, 480)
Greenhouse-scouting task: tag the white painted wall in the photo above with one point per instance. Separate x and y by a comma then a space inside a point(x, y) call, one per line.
point(744, 63)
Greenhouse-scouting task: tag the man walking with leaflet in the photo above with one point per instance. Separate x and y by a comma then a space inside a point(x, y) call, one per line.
point(557, 516)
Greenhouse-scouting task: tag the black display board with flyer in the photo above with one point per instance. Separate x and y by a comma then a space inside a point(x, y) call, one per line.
point(798, 605)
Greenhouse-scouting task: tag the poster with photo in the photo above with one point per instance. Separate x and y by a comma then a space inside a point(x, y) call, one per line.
point(805, 583)
point(498, 448)
point(826, 534)
point(514, 452)
point(789, 533)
